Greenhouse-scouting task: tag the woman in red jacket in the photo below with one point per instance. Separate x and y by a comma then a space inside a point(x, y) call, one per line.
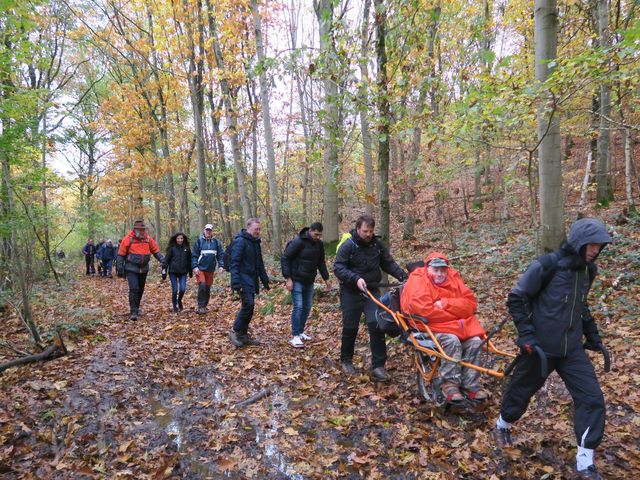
point(437, 293)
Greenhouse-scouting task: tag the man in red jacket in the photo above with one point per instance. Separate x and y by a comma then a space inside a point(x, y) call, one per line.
point(437, 293)
point(134, 254)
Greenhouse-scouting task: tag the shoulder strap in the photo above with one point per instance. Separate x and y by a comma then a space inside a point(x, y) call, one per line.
point(549, 264)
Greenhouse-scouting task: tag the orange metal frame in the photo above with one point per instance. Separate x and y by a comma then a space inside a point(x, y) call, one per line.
point(439, 353)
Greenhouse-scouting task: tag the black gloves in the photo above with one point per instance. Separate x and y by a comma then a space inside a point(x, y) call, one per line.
point(593, 340)
point(164, 273)
point(527, 343)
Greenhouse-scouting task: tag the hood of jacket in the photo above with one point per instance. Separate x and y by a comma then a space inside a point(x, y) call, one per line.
point(587, 230)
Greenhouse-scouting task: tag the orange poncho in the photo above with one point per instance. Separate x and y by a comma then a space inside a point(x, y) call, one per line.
point(458, 302)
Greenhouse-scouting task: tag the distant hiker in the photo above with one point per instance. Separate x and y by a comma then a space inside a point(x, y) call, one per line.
point(357, 266)
point(206, 250)
point(89, 251)
point(300, 262)
point(107, 254)
point(178, 263)
point(549, 308)
point(134, 254)
point(99, 256)
point(247, 270)
point(436, 292)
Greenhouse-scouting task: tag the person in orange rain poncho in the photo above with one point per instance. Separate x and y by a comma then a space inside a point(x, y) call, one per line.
point(437, 293)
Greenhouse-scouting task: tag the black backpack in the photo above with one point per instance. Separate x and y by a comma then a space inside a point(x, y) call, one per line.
point(226, 265)
point(385, 321)
point(549, 264)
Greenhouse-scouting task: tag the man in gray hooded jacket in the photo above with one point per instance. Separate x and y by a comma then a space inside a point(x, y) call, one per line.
point(549, 308)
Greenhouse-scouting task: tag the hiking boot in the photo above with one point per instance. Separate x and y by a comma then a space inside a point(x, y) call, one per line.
point(235, 338)
point(347, 367)
point(201, 310)
point(296, 342)
point(180, 306)
point(248, 340)
point(305, 337)
point(451, 392)
point(133, 317)
point(476, 393)
point(175, 309)
point(589, 473)
point(379, 374)
point(502, 437)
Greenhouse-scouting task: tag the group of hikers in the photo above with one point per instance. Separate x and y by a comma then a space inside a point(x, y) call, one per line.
point(548, 306)
point(105, 251)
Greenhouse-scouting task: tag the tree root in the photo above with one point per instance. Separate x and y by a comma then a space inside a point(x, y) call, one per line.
point(56, 349)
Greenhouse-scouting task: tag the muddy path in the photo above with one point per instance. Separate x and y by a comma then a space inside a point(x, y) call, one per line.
point(158, 398)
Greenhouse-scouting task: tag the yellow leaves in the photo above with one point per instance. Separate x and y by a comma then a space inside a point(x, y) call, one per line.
point(291, 431)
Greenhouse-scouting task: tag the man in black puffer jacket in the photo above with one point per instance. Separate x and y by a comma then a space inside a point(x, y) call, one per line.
point(357, 266)
point(549, 308)
point(300, 263)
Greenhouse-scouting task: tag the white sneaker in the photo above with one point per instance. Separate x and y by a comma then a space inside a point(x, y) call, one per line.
point(296, 342)
point(305, 337)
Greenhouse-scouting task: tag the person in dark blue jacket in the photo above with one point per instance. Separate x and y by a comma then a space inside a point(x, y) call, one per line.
point(247, 270)
point(207, 254)
point(89, 252)
point(178, 264)
point(300, 262)
point(107, 255)
point(549, 308)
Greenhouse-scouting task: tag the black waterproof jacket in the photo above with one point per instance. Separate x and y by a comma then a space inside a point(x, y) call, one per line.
point(356, 259)
point(246, 264)
point(178, 259)
point(302, 259)
point(557, 314)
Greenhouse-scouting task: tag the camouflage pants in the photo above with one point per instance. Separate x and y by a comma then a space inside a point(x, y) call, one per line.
point(452, 372)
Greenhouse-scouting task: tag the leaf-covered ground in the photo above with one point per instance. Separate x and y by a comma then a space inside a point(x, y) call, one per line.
point(157, 398)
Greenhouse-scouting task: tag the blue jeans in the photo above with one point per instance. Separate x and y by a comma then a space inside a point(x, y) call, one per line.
point(177, 281)
point(302, 296)
point(107, 266)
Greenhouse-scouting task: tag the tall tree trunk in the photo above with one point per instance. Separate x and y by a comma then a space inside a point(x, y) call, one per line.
point(18, 264)
point(221, 170)
point(628, 176)
point(304, 120)
point(363, 99)
point(331, 121)
point(604, 190)
point(229, 97)
point(195, 77)
point(550, 167)
point(384, 112)
point(163, 126)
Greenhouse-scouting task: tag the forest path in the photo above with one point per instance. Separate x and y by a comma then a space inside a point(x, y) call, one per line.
point(157, 398)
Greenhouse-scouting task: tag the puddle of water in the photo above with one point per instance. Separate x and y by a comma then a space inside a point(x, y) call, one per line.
point(272, 454)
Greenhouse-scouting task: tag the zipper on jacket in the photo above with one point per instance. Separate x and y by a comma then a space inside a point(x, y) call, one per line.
point(573, 305)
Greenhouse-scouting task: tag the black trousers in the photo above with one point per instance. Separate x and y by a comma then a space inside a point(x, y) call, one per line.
point(241, 325)
point(580, 379)
point(353, 305)
point(89, 259)
point(136, 289)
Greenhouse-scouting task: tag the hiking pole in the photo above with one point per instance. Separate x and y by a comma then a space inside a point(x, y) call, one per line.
point(607, 358)
point(544, 364)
